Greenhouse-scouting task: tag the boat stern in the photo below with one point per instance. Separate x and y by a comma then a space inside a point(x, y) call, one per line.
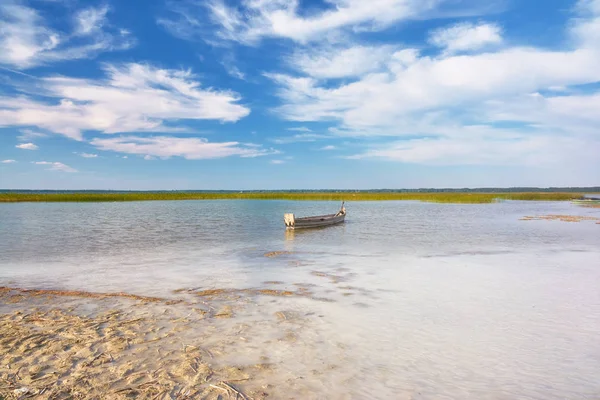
point(289, 220)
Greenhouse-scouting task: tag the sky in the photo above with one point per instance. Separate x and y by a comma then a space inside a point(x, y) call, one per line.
point(299, 94)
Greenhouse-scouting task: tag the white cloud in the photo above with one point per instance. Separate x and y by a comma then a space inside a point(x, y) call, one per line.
point(234, 71)
point(588, 6)
point(277, 162)
point(586, 29)
point(148, 157)
point(8, 161)
point(300, 137)
point(446, 106)
point(26, 40)
point(389, 98)
point(56, 166)
point(87, 155)
point(134, 97)
point(526, 150)
point(28, 134)
point(188, 148)
point(336, 62)
point(330, 147)
point(27, 146)
point(252, 20)
point(229, 63)
point(557, 88)
point(90, 20)
point(577, 112)
point(300, 129)
point(466, 37)
point(183, 25)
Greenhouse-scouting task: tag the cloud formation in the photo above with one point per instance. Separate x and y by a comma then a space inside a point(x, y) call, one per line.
point(29, 134)
point(188, 148)
point(466, 37)
point(27, 40)
point(251, 21)
point(299, 137)
point(449, 107)
point(466, 93)
point(8, 161)
point(413, 83)
point(495, 149)
point(90, 20)
point(55, 166)
point(300, 129)
point(27, 146)
point(133, 98)
point(335, 62)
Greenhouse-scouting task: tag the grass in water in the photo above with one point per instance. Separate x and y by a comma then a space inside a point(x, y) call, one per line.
point(439, 197)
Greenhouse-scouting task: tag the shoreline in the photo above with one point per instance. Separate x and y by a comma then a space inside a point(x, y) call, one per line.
point(434, 197)
point(63, 344)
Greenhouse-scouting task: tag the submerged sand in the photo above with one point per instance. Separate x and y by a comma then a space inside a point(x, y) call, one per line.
point(563, 218)
point(65, 345)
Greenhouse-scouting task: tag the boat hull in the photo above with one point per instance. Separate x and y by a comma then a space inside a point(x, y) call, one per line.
point(317, 222)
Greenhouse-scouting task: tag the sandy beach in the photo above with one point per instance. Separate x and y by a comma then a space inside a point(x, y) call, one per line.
point(65, 344)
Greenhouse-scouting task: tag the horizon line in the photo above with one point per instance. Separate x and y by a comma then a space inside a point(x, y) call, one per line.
point(571, 188)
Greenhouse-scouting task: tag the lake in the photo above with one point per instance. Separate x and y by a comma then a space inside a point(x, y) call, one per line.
point(411, 300)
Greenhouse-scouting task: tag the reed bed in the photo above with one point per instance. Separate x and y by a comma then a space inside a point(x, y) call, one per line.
point(435, 197)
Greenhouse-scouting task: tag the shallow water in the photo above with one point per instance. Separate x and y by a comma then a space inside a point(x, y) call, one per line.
point(411, 300)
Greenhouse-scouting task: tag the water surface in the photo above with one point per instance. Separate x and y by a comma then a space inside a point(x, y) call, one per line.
point(414, 300)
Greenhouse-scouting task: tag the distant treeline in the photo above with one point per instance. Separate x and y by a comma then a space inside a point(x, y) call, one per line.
point(594, 189)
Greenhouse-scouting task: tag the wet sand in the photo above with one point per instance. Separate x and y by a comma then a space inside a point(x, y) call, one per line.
point(562, 218)
point(65, 344)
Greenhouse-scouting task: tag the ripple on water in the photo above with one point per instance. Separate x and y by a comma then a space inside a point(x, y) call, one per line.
point(406, 300)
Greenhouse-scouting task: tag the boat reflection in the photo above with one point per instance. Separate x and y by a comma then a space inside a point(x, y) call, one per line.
point(309, 234)
point(290, 234)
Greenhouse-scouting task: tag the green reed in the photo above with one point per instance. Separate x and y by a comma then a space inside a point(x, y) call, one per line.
point(436, 197)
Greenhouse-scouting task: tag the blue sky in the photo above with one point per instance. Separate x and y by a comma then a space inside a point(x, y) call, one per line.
point(283, 94)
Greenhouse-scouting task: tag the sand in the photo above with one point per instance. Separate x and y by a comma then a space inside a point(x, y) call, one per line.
point(563, 218)
point(79, 345)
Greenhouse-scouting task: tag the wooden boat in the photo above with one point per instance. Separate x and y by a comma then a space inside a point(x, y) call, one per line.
point(291, 222)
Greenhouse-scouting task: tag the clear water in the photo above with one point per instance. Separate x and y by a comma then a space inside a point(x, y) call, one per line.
point(429, 301)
